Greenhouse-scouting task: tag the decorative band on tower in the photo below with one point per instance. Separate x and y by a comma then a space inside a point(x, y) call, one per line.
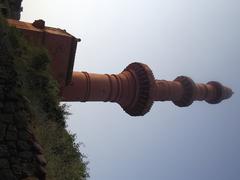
point(145, 81)
point(189, 88)
point(219, 92)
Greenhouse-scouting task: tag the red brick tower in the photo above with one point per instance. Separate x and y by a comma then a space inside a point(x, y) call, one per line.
point(135, 89)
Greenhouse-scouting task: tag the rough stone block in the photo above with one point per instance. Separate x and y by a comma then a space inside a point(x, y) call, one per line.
point(2, 95)
point(7, 118)
point(11, 145)
point(4, 151)
point(13, 152)
point(20, 120)
point(11, 96)
point(7, 174)
point(23, 145)
point(26, 156)
point(20, 106)
point(9, 107)
point(12, 128)
point(1, 104)
point(4, 164)
point(11, 136)
point(17, 170)
point(28, 169)
point(24, 135)
point(14, 160)
point(3, 128)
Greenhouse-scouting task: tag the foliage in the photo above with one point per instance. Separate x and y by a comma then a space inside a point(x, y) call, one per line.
point(41, 91)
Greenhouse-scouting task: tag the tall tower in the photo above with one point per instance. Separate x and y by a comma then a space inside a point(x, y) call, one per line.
point(134, 89)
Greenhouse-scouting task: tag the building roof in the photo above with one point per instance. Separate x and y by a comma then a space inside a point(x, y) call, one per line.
point(38, 32)
point(31, 26)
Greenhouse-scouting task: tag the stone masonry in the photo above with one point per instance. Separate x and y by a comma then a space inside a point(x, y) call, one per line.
point(21, 156)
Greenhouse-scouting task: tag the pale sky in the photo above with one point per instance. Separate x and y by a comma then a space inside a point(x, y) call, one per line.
point(200, 39)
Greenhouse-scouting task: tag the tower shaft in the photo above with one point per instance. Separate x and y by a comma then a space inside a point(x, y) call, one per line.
point(174, 91)
point(135, 89)
point(101, 87)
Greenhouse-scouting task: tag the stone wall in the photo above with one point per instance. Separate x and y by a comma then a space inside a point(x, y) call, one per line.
point(20, 154)
point(11, 8)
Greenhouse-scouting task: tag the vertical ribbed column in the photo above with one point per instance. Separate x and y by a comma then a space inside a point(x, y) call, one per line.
point(101, 87)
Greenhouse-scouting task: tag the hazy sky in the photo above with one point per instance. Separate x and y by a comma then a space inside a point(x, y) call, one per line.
point(200, 39)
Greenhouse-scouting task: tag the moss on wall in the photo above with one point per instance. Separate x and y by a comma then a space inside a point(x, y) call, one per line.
point(32, 119)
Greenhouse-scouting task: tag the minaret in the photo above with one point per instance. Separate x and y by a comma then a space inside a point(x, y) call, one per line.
point(135, 89)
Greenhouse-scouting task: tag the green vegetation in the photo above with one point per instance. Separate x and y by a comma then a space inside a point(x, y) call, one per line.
point(41, 93)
